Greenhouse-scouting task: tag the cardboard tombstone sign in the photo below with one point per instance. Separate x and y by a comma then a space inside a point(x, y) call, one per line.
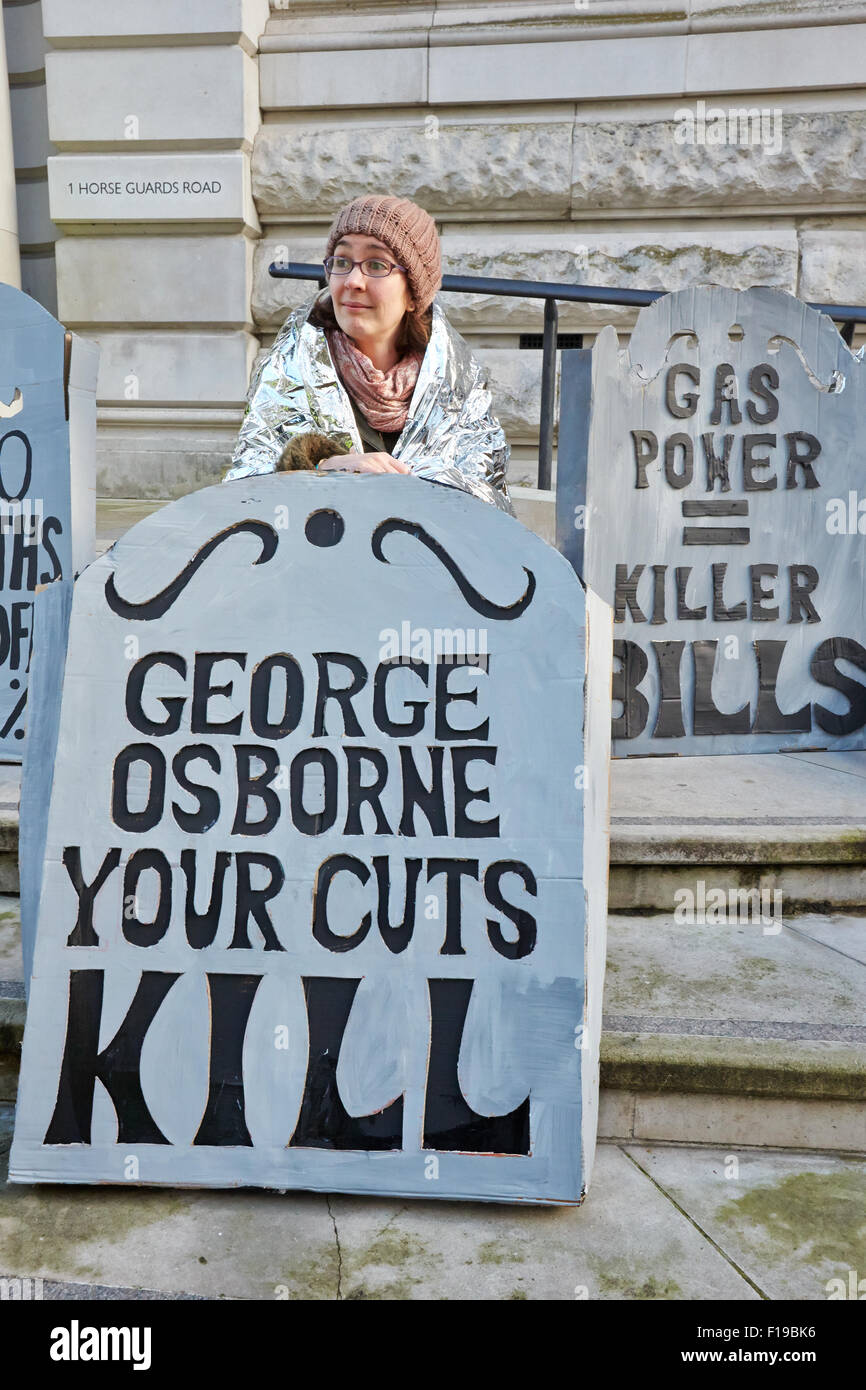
point(726, 499)
point(324, 888)
point(47, 489)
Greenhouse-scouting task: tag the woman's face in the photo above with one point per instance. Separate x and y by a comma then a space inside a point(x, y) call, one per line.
point(369, 308)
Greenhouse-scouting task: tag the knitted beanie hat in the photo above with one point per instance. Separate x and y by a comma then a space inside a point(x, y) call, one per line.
point(407, 230)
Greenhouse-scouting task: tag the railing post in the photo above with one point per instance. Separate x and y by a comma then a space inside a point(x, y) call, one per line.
point(548, 394)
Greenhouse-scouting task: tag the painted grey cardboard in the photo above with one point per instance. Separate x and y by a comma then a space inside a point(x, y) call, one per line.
point(47, 493)
point(726, 525)
point(324, 887)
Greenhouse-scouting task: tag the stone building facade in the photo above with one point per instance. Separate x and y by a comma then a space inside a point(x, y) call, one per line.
point(160, 172)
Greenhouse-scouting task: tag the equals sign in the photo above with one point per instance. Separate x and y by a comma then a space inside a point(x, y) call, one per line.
point(716, 535)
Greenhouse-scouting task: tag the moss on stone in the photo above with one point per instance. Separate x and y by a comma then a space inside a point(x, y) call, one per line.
point(495, 1252)
point(819, 1216)
point(626, 1286)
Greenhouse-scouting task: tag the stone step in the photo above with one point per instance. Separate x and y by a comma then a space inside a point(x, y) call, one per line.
point(735, 1034)
point(792, 823)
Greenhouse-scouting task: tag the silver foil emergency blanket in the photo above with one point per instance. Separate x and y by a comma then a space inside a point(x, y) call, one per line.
point(451, 435)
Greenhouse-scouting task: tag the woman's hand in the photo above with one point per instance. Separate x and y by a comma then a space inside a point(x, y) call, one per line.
point(363, 463)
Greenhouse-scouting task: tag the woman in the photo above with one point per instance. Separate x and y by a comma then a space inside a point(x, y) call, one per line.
point(369, 376)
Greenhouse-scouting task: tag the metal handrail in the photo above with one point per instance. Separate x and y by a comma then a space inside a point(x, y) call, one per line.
point(846, 314)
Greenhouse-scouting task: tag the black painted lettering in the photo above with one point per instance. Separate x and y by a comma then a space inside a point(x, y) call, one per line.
point(721, 612)
point(256, 788)
point(224, 1121)
point(659, 572)
point(725, 394)
point(669, 719)
point(251, 902)
point(803, 581)
point(261, 687)
point(84, 933)
point(445, 697)
point(524, 921)
point(360, 793)
point(116, 1066)
point(203, 691)
point(769, 719)
point(324, 1122)
point(314, 822)
point(761, 596)
point(49, 524)
point(706, 718)
point(430, 800)
point(151, 814)
point(325, 875)
point(684, 612)
point(633, 668)
point(464, 825)
point(140, 933)
point(763, 381)
point(449, 1123)
point(196, 822)
point(415, 723)
point(646, 451)
point(396, 938)
point(344, 695)
point(679, 478)
point(173, 705)
point(824, 670)
point(201, 927)
point(625, 593)
point(717, 467)
point(685, 408)
point(801, 458)
point(751, 461)
point(454, 870)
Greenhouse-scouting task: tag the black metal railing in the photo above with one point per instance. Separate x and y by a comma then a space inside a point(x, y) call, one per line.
point(846, 315)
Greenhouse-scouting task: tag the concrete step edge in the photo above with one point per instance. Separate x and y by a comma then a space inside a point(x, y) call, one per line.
point(690, 1064)
point(737, 845)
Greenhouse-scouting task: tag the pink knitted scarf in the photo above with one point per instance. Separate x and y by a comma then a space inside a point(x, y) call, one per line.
point(383, 396)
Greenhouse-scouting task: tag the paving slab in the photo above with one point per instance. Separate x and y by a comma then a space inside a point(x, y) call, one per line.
point(790, 1222)
point(782, 984)
point(628, 1241)
point(844, 935)
point(852, 763)
point(742, 789)
point(236, 1244)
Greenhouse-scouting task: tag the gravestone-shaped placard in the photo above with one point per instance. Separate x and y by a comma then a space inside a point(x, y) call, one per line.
point(324, 888)
point(726, 525)
point(47, 488)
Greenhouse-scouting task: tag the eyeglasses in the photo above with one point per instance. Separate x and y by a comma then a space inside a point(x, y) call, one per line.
point(375, 268)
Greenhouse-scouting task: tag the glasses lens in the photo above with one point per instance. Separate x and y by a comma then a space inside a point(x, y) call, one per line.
point(376, 267)
point(338, 265)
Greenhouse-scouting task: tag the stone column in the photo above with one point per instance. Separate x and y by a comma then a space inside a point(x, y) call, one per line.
point(150, 186)
point(10, 268)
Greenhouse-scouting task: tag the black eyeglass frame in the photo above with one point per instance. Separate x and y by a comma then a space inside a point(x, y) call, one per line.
point(329, 261)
